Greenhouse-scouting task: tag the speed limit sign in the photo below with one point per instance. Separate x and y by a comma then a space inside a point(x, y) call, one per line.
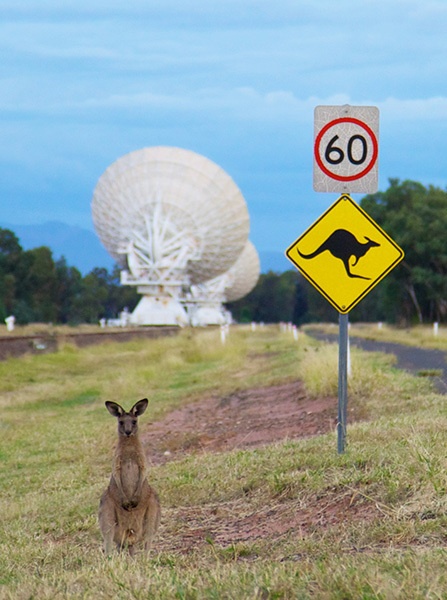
point(346, 148)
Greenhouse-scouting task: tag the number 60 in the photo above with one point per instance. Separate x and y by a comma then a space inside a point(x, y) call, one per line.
point(335, 155)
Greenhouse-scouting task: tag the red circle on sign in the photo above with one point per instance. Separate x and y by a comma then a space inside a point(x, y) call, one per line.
point(371, 163)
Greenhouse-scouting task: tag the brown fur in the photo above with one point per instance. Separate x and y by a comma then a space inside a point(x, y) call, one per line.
point(129, 511)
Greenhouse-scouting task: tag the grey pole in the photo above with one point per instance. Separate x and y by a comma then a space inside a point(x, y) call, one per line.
point(342, 382)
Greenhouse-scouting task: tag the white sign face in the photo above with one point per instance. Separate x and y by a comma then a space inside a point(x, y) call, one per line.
point(346, 149)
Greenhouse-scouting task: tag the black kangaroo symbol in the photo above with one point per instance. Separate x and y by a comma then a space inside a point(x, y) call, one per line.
point(343, 244)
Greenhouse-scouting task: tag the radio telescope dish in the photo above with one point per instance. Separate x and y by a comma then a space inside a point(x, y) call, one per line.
point(237, 282)
point(170, 218)
point(244, 274)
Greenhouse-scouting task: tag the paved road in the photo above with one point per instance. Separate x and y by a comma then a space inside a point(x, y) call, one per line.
point(409, 358)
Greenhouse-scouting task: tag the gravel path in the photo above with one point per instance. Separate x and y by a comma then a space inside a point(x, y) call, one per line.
point(409, 358)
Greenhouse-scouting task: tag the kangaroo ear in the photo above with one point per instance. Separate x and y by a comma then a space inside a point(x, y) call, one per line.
point(114, 409)
point(139, 408)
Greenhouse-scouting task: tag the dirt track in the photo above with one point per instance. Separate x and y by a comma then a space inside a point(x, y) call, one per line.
point(247, 419)
point(242, 420)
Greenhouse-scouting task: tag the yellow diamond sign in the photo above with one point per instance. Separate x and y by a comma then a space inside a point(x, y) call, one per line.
point(344, 254)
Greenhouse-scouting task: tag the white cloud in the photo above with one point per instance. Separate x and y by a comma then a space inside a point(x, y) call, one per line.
point(420, 109)
point(239, 103)
point(246, 102)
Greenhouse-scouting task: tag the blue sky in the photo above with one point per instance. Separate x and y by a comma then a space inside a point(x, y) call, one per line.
point(85, 81)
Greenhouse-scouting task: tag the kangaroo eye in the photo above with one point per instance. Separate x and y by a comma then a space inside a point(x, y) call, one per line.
point(134, 422)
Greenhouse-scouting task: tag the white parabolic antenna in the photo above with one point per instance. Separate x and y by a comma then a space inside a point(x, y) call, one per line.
point(236, 283)
point(170, 218)
point(243, 275)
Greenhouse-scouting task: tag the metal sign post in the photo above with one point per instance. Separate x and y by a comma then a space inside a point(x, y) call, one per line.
point(342, 420)
point(328, 254)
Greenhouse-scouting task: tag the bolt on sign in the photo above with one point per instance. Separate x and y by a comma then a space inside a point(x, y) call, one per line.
point(344, 254)
point(346, 149)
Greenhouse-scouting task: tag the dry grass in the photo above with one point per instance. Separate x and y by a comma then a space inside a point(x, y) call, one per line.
point(291, 520)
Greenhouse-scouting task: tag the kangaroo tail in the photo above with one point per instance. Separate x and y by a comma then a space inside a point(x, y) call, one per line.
point(312, 254)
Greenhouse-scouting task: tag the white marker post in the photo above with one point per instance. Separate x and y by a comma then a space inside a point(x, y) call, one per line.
point(223, 334)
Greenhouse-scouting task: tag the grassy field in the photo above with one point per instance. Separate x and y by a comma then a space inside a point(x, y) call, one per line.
point(371, 523)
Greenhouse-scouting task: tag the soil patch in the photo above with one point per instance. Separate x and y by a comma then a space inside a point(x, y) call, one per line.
point(244, 419)
point(239, 522)
point(248, 419)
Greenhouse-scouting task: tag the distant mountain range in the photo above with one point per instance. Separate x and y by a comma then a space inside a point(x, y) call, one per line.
point(83, 250)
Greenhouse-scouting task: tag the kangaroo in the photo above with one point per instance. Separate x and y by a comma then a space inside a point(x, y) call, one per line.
point(343, 244)
point(129, 510)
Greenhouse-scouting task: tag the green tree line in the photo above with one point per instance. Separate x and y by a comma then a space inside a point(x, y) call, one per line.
point(36, 288)
point(415, 217)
